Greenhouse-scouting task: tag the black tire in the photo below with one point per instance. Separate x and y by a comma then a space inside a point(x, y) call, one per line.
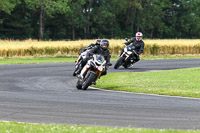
point(76, 69)
point(79, 85)
point(125, 66)
point(118, 62)
point(91, 78)
point(74, 73)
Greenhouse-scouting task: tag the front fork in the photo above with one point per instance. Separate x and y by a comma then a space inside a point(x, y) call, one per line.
point(125, 55)
point(86, 68)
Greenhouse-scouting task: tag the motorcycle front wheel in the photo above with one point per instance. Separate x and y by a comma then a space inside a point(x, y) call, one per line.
point(88, 81)
point(119, 62)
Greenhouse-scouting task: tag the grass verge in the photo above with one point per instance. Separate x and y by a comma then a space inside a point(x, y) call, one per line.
point(26, 60)
point(14, 127)
point(181, 82)
point(37, 60)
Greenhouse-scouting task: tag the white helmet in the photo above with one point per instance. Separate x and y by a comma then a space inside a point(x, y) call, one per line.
point(139, 36)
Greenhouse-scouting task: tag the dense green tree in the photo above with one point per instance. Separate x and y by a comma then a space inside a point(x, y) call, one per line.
point(105, 18)
point(90, 19)
point(187, 20)
point(47, 8)
point(17, 25)
point(153, 16)
point(75, 18)
point(8, 5)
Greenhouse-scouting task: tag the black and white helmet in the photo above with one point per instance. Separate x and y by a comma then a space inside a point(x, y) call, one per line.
point(139, 36)
point(104, 44)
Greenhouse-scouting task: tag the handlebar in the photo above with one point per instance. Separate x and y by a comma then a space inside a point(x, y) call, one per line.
point(135, 52)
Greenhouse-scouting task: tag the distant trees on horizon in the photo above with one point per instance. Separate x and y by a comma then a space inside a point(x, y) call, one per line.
point(90, 19)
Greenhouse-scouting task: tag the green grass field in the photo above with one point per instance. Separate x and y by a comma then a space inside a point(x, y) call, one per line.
point(36, 60)
point(181, 82)
point(14, 127)
point(25, 60)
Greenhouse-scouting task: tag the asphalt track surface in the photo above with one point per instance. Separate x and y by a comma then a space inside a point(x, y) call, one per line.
point(46, 93)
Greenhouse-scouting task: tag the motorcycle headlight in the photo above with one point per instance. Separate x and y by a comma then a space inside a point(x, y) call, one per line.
point(99, 61)
point(129, 52)
point(125, 49)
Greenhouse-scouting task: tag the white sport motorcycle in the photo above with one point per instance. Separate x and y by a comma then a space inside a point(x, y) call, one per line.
point(91, 71)
point(127, 58)
point(79, 60)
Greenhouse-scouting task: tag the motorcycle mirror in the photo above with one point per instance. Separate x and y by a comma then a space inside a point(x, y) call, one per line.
point(126, 39)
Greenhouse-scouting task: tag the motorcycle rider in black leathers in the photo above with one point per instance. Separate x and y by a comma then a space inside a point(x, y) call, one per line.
point(99, 49)
point(86, 49)
point(92, 45)
point(138, 43)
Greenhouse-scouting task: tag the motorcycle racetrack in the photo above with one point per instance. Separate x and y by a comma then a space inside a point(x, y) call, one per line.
point(46, 93)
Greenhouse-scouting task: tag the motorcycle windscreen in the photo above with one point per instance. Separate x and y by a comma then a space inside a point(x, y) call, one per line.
point(100, 59)
point(131, 47)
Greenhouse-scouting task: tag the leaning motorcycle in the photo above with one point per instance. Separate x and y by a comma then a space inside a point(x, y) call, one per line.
point(94, 68)
point(127, 58)
point(82, 56)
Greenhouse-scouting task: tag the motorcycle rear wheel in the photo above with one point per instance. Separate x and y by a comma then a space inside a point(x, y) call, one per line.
point(76, 69)
point(79, 85)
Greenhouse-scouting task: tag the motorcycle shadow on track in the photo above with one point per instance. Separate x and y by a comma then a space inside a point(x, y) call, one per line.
point(90, 88)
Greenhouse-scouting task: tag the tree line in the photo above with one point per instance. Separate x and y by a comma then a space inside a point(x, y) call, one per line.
point(90, 19)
